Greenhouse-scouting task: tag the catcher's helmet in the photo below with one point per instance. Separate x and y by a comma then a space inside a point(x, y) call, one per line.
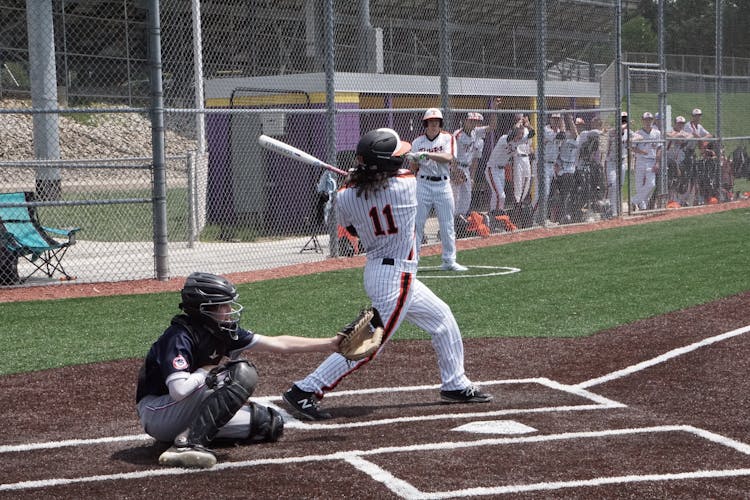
point(430, 114)
point(382, 150)
point(201, 293)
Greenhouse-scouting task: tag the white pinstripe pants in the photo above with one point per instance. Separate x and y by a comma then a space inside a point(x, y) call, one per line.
point(437, 195)
point(398, 296)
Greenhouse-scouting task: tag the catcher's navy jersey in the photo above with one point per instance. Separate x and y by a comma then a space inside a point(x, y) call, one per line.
point(179, 350)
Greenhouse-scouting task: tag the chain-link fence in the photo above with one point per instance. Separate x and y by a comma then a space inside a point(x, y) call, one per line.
point(83, 114)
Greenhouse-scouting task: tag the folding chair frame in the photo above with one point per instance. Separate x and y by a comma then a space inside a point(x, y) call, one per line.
point(45, 253)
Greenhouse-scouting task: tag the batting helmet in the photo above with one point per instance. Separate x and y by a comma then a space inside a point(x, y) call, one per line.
point(201, 293)
point(475, 116)
point(432, 113)
point(382, 150)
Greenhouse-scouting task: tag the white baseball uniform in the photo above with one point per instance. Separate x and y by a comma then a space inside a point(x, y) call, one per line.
point(551, 153)
point(466, 151)
point(612, 161)
point(384, 221)
point(522, 165)
point(696, 131)
point(434, 191)
point(495, 172)
point(645, 154)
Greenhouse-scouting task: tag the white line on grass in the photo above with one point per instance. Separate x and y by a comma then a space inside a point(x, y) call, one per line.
point(664, 357)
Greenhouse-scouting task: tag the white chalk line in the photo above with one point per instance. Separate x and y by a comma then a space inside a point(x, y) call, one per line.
point(406, 490)
point(453, 275)
point(664, 357)
point(293, 423)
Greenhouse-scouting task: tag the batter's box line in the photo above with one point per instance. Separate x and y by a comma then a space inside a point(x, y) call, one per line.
point(406, 490)
point(662, 358)
point(600, 403)
point(291, 422)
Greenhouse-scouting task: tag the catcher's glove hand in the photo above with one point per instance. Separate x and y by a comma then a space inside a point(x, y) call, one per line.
point(363, 336)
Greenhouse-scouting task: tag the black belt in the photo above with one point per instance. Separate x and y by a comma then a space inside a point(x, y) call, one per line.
point(433, 178)
point(388, 262)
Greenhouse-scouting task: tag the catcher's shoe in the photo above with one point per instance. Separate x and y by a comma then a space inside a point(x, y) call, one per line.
point(188, 455)
point(304, 404)
point(471, 394)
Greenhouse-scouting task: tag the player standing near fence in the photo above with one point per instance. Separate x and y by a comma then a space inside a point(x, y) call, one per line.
point(647, 151)
point(436, 152)
point(379, 203)
point(469, 145)
point(500, 159)
point(615, 161)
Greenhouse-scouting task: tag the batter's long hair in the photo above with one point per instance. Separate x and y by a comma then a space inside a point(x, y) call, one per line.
point(367, 181)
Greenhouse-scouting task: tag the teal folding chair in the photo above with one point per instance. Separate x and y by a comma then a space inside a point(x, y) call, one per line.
point(23, 237)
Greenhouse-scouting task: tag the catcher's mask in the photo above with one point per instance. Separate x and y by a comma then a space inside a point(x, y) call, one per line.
point(202, 297)
point(381, 150)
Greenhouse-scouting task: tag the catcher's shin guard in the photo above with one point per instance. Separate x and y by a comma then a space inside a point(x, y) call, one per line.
point(221, 406)
point(266, 424)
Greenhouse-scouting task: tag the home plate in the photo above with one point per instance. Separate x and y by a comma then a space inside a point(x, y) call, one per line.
point(495, 427)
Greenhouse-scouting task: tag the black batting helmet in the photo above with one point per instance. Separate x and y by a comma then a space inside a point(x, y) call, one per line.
point(382, 150)
point(201, 292)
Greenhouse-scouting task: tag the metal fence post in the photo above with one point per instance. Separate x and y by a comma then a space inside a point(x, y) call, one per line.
point(159, 189)
point(541, 104)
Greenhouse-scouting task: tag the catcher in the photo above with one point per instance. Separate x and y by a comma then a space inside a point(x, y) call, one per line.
point(379, 204)
point(193, 386)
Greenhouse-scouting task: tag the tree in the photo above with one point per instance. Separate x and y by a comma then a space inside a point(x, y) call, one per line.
point(638, 36)
point(690, 26)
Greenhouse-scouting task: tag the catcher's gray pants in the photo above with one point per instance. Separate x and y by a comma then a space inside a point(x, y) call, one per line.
point(163, 418)
point(398, 295)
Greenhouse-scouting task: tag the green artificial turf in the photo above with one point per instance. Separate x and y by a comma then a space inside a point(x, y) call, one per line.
point(567, 286)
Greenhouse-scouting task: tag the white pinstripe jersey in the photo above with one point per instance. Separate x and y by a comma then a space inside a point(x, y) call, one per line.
point(501, 153)
point(384, 220)
point(444, 142)
point(467, 144)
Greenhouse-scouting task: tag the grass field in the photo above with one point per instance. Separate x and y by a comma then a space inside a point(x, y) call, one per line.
point(568, 286)
point(733, 123)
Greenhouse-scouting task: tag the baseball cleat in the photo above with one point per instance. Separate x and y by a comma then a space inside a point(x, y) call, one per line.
point(471, 394)
point(453, 266)
point(190, 456)
point(304, 404)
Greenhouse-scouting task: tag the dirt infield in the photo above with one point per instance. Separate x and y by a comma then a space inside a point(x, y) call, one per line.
point(654, 409)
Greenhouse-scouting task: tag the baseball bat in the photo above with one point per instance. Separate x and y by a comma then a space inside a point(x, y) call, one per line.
point(290, 151)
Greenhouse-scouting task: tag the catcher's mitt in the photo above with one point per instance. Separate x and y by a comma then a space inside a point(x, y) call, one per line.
point(363, 336)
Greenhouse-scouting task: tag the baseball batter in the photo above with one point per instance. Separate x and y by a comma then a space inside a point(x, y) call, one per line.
point(646, 150)
point(186, 396)
point(436, 150)
point(379, 203)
